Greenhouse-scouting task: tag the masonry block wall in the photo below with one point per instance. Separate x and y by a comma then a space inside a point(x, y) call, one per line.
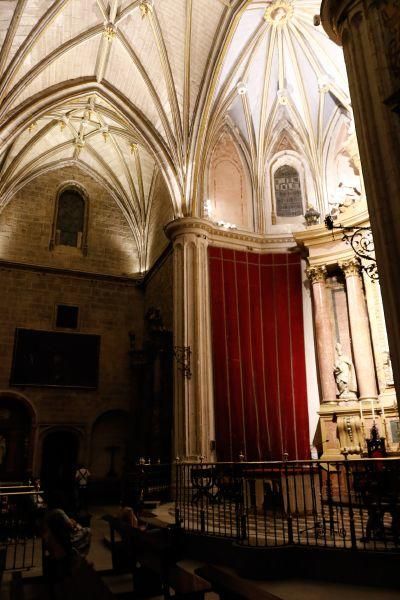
point(161, 214)
point(159, 290)
point(33, 280)
point(26, 226)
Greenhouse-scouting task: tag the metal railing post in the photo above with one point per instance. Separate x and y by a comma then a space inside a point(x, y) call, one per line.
point(351, 511)
point(288, 507)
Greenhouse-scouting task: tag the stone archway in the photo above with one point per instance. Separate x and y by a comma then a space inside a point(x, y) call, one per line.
point(60, 451)
point(109, 442)
point(17, 426)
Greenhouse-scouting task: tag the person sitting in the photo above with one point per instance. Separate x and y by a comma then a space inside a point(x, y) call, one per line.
point(80, 537)
point(66, 572)
point(57, 544)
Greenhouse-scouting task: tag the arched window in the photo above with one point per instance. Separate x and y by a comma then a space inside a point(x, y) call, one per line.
point(288, 197)
point(70, 218)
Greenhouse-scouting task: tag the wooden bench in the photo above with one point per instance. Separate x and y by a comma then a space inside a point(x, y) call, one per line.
point(230, 586)
point(156, 552)
point(84, 583)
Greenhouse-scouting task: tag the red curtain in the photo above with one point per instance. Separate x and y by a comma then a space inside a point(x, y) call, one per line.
point(258, 355)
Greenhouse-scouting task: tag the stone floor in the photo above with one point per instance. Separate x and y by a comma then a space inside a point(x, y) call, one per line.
point(100, 556)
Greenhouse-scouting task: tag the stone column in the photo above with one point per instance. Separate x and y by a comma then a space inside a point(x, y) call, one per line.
point(193, 392)
point(359, 328)
point(379, 339)
point(323, 333)
point(369, 31)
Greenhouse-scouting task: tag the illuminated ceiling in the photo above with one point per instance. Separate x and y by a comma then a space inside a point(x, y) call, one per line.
point(132, 88)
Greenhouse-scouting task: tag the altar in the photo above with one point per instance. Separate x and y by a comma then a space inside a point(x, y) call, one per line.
point(294, 489)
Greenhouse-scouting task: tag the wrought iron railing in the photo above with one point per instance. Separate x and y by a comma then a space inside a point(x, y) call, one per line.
point(18, 527)
point(147, 483)
point(338, 504)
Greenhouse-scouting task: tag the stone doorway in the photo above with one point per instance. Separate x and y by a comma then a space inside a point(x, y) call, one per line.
point(15, 439)
point(59, 460)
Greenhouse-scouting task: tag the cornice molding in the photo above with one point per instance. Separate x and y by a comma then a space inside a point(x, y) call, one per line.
point(222, 237)
point(355, 216)
point(134, 280)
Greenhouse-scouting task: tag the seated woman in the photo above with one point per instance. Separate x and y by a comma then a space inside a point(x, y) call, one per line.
point(79, 537)
point(66, 573)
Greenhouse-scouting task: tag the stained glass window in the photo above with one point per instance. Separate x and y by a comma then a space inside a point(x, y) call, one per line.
point(288, 197)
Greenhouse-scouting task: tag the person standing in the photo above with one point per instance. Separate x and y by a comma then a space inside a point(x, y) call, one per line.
point(82, 476)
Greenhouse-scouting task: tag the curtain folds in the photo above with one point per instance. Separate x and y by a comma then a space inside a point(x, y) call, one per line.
point(258, 355)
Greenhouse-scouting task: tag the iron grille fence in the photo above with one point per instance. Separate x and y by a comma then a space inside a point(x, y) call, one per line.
point(148, 483)
point(18, 515)
point(338, 504)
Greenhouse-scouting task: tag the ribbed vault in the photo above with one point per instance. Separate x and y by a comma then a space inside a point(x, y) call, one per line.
point(138, 89)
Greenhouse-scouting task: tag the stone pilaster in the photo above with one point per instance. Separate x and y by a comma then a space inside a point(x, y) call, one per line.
point(323, 333)
point(369, 31)
point(378, 335)
point(193, 392)
point(359, 328)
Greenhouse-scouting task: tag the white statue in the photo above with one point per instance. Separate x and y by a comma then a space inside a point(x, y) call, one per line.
point(343, 371)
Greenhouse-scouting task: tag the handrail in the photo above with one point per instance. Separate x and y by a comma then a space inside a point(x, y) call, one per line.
point(351, 503)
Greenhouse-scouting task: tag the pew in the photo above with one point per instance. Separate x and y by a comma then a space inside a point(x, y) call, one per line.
point(157, 552)
point(230, 586)
point(84, 583)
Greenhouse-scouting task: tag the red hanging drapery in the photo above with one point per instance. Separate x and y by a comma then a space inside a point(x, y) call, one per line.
point(260, 390)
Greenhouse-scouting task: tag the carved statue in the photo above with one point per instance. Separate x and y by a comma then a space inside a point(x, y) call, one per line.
point(343, 374)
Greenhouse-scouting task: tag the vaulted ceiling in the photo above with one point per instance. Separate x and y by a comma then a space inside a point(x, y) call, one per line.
point(131, 88)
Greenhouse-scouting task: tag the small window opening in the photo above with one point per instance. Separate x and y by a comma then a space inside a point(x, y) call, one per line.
point(67, 316)
point(70, 219)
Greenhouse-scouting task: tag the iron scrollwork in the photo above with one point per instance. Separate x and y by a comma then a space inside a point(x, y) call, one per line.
point(182, 355)
point(362, 242)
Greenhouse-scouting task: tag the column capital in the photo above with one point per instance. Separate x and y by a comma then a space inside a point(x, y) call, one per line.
point(351, 267)
point(316, 273)
point(187, 225)
point(333, 15)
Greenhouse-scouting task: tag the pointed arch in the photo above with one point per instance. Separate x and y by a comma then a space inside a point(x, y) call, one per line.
point(228, 185)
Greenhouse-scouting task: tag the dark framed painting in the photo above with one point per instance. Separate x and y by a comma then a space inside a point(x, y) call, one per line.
point(55, 359)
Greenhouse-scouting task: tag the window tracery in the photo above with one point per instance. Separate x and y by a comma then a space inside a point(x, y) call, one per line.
point(288, 195)
point(70, 218)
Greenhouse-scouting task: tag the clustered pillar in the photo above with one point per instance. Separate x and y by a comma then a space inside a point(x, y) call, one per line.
point(193, 392)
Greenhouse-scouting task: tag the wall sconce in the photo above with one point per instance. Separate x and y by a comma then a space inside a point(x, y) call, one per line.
point(182, 355)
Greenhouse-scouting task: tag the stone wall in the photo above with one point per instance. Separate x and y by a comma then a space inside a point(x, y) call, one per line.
point(33, 280)
point(161, 214)
point(159, 290)
point(26, 227)
point(109, 308)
